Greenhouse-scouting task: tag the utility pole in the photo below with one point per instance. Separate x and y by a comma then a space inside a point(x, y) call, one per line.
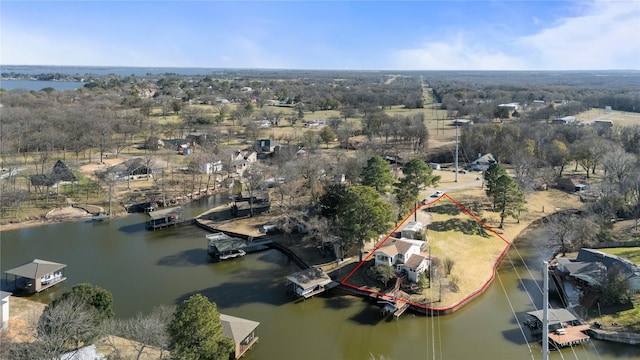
point(456, 159)
point(545, 313)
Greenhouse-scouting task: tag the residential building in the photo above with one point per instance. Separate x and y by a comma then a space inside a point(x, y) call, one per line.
point(403, 254)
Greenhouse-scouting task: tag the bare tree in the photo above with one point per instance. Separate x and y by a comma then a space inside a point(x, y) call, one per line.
point(62, 327)
point(144, 331)
point(563, 230)
point(252, 177)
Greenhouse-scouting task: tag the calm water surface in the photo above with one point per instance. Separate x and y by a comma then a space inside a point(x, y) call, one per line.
point(143, 269)
point(37, 85)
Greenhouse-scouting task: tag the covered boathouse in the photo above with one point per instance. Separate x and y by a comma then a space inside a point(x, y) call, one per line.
point(162, 218)
point(37, 275)
point(564, 328)
point(309, 282)
point(242, 331)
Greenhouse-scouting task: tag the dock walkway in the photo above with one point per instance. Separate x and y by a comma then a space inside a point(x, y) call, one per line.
point(569, 336)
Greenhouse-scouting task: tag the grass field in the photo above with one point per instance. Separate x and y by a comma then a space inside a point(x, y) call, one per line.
point(619, 118)
point(630, 253)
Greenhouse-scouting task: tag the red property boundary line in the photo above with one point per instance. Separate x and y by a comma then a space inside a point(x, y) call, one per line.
point(459, 303)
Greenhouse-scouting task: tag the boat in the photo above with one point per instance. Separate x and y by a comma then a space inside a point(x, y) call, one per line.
point(50, 278)
point(232, 254)
point(101, 216)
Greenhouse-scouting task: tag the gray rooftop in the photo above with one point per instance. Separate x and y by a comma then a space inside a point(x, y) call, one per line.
point(310, 277)
point(237, 328)
point(555, 316)
point(36, 269)
point(159, 214)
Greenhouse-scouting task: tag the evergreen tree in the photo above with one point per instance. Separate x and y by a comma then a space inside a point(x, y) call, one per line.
point(508, 199)
point(361, 216)
point(196, 331)
point(417, 174)
point(377, 174)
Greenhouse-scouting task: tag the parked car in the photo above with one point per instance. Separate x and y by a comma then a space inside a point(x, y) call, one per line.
point(433, 196)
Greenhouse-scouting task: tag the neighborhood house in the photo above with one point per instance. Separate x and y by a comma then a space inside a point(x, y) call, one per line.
point(405, 255)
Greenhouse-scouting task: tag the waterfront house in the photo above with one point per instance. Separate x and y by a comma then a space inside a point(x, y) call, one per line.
point(405, 255)
point(309, 282)
point(4, 310)
point(630, 270)
point(240, 159)
point(244, 205)
point(241, 331)
point(60, 175)
point(211, 167)
point(37, 275)
point(132, 169)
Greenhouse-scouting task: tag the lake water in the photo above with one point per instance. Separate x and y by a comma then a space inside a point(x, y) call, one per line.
point(37, 85)
point(143, 269)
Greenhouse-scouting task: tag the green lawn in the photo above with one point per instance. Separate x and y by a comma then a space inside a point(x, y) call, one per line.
point(630, 253)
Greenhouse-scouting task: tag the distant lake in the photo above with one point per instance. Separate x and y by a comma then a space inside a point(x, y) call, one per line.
point(104, 70)
point(39, 85)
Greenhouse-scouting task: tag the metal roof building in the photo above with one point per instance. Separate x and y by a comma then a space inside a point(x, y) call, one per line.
point(37, 275)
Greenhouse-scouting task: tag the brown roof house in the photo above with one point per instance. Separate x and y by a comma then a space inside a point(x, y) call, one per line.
point(570, 184)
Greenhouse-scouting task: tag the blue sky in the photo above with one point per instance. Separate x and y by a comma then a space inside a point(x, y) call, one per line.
point(355, 35)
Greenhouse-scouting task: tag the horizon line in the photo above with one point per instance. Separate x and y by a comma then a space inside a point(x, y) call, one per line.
point(317, 69)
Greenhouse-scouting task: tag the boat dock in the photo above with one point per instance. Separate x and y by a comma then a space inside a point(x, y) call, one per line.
point(569, 336)
point(395, 303)
point(163, 218)
point(222, 246)
point(564, 328)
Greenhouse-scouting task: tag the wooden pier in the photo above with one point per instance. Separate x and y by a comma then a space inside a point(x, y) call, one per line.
point(569, 336)
point(396, 303)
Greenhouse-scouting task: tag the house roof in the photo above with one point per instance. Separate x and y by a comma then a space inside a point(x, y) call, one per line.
point(309, 278)
point(414, 261)
point(36, 269)
point(159, 214)
point(131, 166)
point(61, 172)
point(485, 159)
point(237, 328)
point(626, 267)
point(413, 226)
point(555, 316)
point(395, 246)
point(4, 295)
point(224, 242)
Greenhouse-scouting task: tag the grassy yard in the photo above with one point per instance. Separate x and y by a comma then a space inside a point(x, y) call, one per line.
point(627, 319)
point(630, 253)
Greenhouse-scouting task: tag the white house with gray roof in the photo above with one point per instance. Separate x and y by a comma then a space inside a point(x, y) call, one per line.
point(403, 254)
